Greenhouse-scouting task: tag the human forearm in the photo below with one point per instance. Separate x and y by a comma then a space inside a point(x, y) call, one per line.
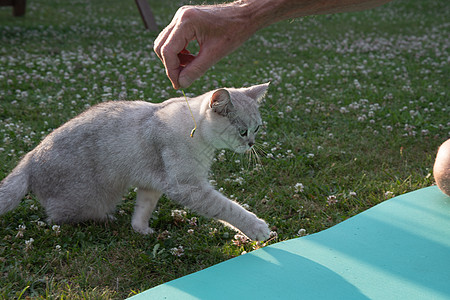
point(263, 13)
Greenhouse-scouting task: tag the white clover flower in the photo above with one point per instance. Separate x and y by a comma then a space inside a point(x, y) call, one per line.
point(388, 194)
point(343, 110)
point(299, 187)
point(193, 221)
point(332, 199)
point(240, 239)
point(177, 251)
point(239, 180)
point(41, 224)
point(301, 232)
point(164, 235)
point(29, 244)
point(21, 229)
point(221, 156)
point(56, 229)
point(178, 215)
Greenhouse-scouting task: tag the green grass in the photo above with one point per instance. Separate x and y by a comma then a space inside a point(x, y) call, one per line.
point(357, 107)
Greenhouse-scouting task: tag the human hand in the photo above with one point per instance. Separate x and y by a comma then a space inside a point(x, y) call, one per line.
point(219, 30)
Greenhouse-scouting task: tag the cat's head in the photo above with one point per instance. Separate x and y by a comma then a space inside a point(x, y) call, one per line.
point(234, 117)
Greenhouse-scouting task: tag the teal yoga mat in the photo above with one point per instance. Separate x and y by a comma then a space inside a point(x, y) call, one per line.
point(399, 249)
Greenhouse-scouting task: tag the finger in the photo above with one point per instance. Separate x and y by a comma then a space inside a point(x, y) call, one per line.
point(159, 41)
point(171, 63)
point(175, 44)
point(165, 33)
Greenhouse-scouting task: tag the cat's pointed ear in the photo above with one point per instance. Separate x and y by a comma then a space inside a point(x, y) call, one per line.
point(221, 103)
point(257, 92)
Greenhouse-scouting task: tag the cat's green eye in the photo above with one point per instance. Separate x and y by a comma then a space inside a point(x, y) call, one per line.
point(243, 132)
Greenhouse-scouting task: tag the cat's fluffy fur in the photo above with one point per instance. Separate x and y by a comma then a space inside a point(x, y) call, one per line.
point(81, 170)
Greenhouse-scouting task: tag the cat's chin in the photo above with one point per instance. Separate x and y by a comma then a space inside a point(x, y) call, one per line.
point(241, 149)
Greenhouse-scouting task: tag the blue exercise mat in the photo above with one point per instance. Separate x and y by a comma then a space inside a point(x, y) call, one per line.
point(399, 249)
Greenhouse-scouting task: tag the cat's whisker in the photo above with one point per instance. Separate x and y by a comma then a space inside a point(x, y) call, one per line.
point(253, 158)
point(257, 148)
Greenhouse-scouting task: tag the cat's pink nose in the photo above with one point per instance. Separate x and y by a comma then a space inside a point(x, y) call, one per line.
point(251, 144)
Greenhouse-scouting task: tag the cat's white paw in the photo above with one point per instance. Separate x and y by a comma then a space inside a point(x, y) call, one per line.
point(257, 231)
point(143, 229)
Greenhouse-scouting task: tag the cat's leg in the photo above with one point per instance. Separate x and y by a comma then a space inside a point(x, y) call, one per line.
point(145, 204)
point(210, 203)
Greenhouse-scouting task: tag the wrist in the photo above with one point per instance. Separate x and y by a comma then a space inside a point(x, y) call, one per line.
point(258, 14)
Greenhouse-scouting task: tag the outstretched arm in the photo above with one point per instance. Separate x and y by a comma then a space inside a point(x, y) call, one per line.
point(220, 29)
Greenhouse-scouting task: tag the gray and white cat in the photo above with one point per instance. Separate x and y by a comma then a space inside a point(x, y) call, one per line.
point(81, 170)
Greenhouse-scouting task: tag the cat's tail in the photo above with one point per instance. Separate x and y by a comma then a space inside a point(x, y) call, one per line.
point(15, 186)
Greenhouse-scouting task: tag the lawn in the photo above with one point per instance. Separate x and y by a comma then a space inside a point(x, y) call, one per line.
point(357, 107)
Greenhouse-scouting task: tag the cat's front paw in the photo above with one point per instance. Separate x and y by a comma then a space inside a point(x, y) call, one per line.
point(258, 230)
point(143, 229)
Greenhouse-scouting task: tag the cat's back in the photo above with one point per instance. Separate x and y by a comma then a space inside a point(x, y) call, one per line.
point(108, 115)
point(113, 111)
point(99, 124)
